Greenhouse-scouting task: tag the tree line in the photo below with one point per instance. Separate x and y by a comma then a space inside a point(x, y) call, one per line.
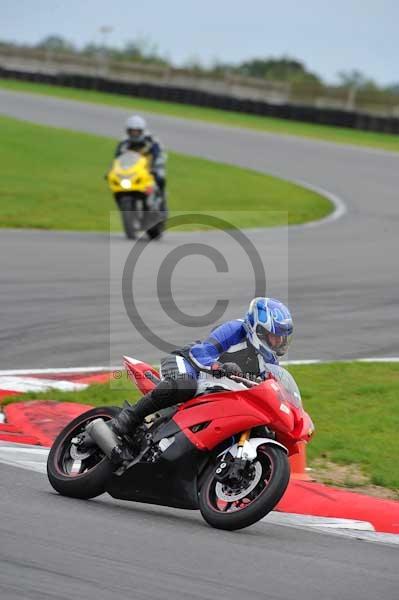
point(283, 69)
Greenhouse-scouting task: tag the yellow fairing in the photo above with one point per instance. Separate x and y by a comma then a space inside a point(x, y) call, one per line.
point(130, 172)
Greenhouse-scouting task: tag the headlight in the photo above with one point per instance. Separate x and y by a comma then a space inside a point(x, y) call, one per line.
point(126, 184)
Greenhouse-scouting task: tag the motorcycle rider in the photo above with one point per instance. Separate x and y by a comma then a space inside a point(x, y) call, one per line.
point(140, 140)
point(241, 346)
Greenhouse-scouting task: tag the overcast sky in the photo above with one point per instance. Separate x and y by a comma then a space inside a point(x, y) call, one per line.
point(328, 35)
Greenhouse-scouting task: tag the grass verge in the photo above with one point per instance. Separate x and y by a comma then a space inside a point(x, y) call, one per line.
point(339, 135)
point(355, 407)
point(54, 179)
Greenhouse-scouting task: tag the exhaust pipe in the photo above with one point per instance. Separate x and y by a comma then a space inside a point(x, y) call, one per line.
point(104, 437)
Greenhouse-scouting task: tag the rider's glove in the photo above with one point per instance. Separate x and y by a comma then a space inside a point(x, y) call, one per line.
point(217, 370)
point(226, 369)
point(232, 368)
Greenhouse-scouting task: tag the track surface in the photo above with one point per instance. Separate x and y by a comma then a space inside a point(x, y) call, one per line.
point(339, 278)
point(59, 548)
point(55, 311)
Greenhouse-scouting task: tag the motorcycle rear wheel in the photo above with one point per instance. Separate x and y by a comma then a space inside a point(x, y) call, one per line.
point(79, 479)
point(260, 500)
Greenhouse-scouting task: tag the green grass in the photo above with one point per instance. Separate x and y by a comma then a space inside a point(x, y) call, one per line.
point(355, 408)
point(54, 179)
point(339, 135)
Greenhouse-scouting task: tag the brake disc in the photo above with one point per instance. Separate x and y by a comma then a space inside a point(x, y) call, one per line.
point(77, 454)
point(224, 492)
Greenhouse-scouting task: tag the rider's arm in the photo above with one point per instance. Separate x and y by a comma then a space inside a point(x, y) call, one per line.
point(121, 147)
point(158, 156)
point(205, 354)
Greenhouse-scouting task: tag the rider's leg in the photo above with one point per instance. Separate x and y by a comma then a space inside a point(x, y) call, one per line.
point(168, 392)
point(178, 385)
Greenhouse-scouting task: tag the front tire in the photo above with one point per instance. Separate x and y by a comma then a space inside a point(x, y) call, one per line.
point(128, 220)
point(89, 478)
point(273, 474)
point(155, 232)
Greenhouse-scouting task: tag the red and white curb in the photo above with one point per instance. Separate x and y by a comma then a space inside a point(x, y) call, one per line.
point(34, 459)
point(36, 422)
point(67, 371)
point(28, 456)
point(21, 385)
point(21, 381)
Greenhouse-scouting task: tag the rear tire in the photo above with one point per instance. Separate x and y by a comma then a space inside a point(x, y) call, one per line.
point(96, 471)
point(272, 485)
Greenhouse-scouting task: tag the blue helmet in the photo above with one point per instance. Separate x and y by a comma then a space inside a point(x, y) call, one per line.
point(269, 327)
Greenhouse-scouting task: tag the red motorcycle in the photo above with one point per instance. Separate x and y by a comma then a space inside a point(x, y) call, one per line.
point(225, 452)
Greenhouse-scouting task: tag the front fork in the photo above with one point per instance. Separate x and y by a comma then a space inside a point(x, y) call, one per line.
point(244, 437)
point(232, 469)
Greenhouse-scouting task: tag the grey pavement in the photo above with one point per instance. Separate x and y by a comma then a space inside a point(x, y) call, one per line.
point(61, 305)
point(56, 548)
point(340, 278)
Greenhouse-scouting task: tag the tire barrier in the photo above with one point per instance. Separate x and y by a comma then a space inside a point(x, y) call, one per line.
point(291, 112)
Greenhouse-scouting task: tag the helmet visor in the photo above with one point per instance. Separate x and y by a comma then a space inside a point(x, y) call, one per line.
point(277, 343)
point(135, 135)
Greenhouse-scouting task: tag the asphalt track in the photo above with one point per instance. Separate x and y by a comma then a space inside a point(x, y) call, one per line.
point(59, 548)
point(340, 278)
point(58, 309)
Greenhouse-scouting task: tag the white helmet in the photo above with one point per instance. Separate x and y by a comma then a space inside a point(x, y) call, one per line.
point(136, 124)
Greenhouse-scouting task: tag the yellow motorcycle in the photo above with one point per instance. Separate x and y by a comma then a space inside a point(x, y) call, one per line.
point(137, 195)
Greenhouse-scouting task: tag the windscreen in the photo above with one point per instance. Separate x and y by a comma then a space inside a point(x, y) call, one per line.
point(288, 382)
point(128, 159)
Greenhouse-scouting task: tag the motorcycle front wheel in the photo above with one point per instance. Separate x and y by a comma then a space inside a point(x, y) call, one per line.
point(155, 232)
point(231, 506)
point(71, 474)
point(130, 216)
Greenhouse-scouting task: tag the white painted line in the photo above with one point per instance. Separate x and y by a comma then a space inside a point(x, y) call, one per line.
point(24, 456)
point(359, 530)
point(280, 518)
point(96, 369)
point(371, 360)
point(384, 359)
point(340, 208)
point(367, 536)
point(31, 384)
point(28, 465)
point(300, 362)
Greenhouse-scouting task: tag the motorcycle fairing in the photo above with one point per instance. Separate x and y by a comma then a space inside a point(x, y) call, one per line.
point(135, 169)
point(247, 409)
point(143, 375)
point(228, 416)
point(200, 426)
point(170, 481)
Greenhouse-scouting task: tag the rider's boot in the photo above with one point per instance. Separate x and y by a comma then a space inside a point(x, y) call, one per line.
point(110, 435)
point(168, 392)
point(131, 416)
